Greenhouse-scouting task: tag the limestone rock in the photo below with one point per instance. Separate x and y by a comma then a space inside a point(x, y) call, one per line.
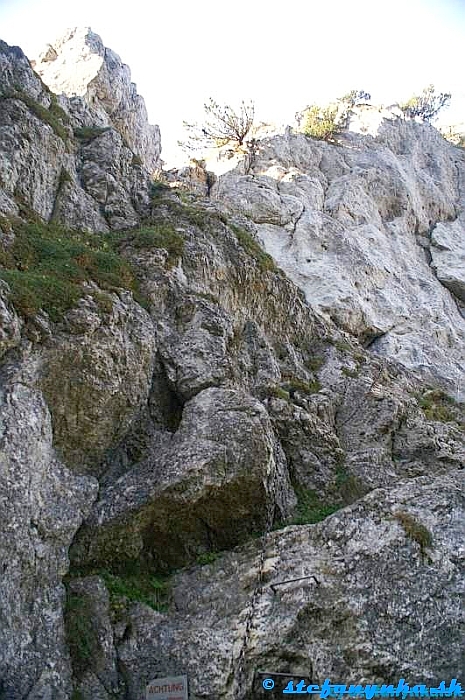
point(213, 483)
point(42, 506)
point(10, 324)
point(80, 65)
point(356, 238)
point(96, 377)
point(448, 256)
point(77, 209)
point(25, 176)
point(233, 391)
point(377, 572)
point(88, 602)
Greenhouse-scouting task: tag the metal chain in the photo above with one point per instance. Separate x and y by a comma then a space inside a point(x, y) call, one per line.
point(240, 674)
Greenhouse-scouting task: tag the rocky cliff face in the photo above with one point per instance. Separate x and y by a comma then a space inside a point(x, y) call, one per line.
point(203, 468)
point(372, 230)
point(79, 65)
point(81, 160)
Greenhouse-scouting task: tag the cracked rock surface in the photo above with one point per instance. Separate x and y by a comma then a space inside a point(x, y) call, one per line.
point(372, 230)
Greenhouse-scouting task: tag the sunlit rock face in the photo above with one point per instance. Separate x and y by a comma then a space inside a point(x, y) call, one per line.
point(78, 64)
point(84, 161)
point(371, 229)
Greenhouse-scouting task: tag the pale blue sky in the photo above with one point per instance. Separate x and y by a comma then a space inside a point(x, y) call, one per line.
point(284, 56)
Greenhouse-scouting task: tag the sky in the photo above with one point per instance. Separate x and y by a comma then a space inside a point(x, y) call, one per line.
point(283, 56)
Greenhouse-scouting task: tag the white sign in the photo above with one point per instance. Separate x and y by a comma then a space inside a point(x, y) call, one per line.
point(171, 688)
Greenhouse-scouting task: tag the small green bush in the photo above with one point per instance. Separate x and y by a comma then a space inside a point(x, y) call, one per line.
point(77, 695)
point(315, 363)
point(207, 558)
point(320, 122)
point(274, 392)
point(64, 178)
point(157, 189)
point(355, 97)
point(136, 161)
point(348, 487)
point(57, 111)
point(348, 372)
point(162, 235)
point(341, 345)
point(427, 105)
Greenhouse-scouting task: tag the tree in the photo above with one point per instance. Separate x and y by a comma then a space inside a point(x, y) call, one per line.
point(427, 105)
point(223, 126)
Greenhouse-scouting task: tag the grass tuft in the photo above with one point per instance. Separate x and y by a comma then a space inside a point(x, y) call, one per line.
point(80, 633)
point(253, 248)
point(439, 406)
point(415, 530)
point(88, 133)
point(138, 586)
point(47, 264)
point(301, 386)
point(54, 116)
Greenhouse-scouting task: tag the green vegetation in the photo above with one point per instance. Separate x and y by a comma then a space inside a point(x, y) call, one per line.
point(415, 530)
point(273, 392)
point(455, 137)
point(87, 133)
point(348, 487)
point(287, 389)
point(427, 105)
point(341, 345)
point(346, 371)
point(55, 109)
point(47, 264)
point(439, 406)
point(162, 235)
point(354, 97)
point(54, 116)
point(133, 584)
point(157, 189)
point(196, 216)
point(320, 122)
point(311, 508)
point(64, 178)
point(207, 558)
point(315, 363)
point(253, 248)
point(81, 635)
point(304, 387)
point(136, 586)
point(136, 161)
